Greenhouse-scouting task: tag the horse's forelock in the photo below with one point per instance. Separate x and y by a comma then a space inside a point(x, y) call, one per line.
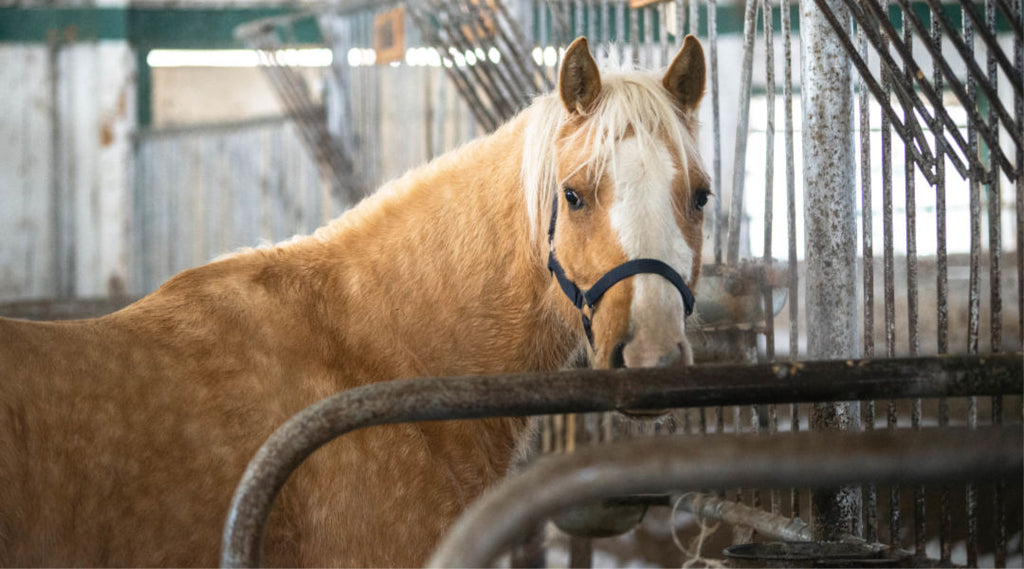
point(630, 103)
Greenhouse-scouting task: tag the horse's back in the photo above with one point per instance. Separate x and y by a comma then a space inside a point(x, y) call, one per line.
point(94, 447)
point(123, 438)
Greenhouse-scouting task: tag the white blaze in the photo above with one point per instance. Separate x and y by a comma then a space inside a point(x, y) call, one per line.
point(642, 215)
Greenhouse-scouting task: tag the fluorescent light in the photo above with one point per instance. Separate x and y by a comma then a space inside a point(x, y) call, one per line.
point(312, 57)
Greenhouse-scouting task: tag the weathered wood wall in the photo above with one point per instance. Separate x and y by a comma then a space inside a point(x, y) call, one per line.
point(64, 186)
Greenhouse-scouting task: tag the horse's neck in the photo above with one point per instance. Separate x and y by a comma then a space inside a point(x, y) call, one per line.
point(444, 272)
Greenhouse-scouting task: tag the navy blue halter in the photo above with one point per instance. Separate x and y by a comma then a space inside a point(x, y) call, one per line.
point(588, 298)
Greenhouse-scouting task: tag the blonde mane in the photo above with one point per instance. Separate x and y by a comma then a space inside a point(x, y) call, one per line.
point(629, 102)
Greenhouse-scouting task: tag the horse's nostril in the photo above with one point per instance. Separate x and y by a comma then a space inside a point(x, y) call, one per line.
point(618, 358)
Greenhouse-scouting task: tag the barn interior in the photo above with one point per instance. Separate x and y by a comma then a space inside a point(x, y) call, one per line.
point(867, 166)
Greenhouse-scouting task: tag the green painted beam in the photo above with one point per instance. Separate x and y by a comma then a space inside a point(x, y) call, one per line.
point(145, 28)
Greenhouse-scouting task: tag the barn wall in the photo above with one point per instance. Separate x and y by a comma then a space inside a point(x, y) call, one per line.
point(64, 186)
point(203, 191)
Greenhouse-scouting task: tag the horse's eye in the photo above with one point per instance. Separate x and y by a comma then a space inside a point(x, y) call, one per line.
point(700, 198)
point(572, 198)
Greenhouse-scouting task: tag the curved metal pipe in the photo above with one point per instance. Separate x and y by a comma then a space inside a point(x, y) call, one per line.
point(503, 514)
point(582, 391)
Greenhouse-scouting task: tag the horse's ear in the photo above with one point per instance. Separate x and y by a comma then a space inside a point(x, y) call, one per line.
point(579, 81)
point(686, 75)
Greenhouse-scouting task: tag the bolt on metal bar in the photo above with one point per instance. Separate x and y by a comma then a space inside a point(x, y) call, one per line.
point(804, 459)
point(586, 391)
point(742, 125)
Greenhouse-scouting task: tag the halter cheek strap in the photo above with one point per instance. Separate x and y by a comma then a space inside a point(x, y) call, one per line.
point(588, 298)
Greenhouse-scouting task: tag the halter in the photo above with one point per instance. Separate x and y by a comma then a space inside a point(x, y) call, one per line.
point(588, 298)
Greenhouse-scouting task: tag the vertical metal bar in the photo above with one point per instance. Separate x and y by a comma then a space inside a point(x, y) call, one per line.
point(647, 38)
point(716, 132)
point(581, 551)
point(974, 296)
point(912, 288)
point(942, 291)
point(1018, 104)
point(995, 204)
point(794, 285)
point(787, 98)
point(740, 155)
point(831, 235)
point(694, 19)
point(867, 236)
point(769, 176)
point(769, 214)
point(605, 23)
point(889, 279)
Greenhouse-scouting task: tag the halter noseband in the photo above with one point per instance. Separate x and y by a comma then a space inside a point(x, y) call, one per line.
point(588, 298)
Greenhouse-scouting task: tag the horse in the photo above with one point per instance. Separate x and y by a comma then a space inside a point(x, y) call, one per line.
point(122, 438)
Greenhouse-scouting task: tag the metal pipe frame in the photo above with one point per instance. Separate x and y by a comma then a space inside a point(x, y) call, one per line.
point(580, 391)
point(494, 522)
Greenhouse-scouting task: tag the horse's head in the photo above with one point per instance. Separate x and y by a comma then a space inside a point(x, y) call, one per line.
point(628, 185)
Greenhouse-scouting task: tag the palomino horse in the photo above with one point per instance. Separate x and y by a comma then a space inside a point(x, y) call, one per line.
point(122, 438)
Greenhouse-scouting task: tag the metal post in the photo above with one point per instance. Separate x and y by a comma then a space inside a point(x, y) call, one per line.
point(831, 236)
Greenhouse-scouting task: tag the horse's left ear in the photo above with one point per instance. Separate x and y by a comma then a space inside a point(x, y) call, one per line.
point(686, 75)
point(579, 81)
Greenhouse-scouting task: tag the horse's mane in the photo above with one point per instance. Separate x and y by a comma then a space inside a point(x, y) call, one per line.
point(629, 102)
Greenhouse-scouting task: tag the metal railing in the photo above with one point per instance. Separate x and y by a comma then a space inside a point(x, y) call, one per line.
point(587, 391)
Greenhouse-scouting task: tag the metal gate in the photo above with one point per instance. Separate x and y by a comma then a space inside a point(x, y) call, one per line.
point(810, 181)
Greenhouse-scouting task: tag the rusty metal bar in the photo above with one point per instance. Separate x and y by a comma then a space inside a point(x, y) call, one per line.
point(1018, 104)
point(830, 235)
point(974, 299)
point(992, 47)
point(769, 177)
point(995, 203)
point(966, 97)
point(802, 459)
point(909, 130)
point(913, 335)
point(787, 98)
point(742, 125)
point(716, 132)
point(942, 293)
point(711, 507)
point(483, 114)
point(870, 522)
point(583, 391)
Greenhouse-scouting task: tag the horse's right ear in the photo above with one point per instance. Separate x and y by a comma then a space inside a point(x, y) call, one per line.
point(579, 81)
point(685, 77)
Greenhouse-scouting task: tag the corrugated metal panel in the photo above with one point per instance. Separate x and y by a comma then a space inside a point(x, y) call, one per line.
point(63, 152)
point(204, 191)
